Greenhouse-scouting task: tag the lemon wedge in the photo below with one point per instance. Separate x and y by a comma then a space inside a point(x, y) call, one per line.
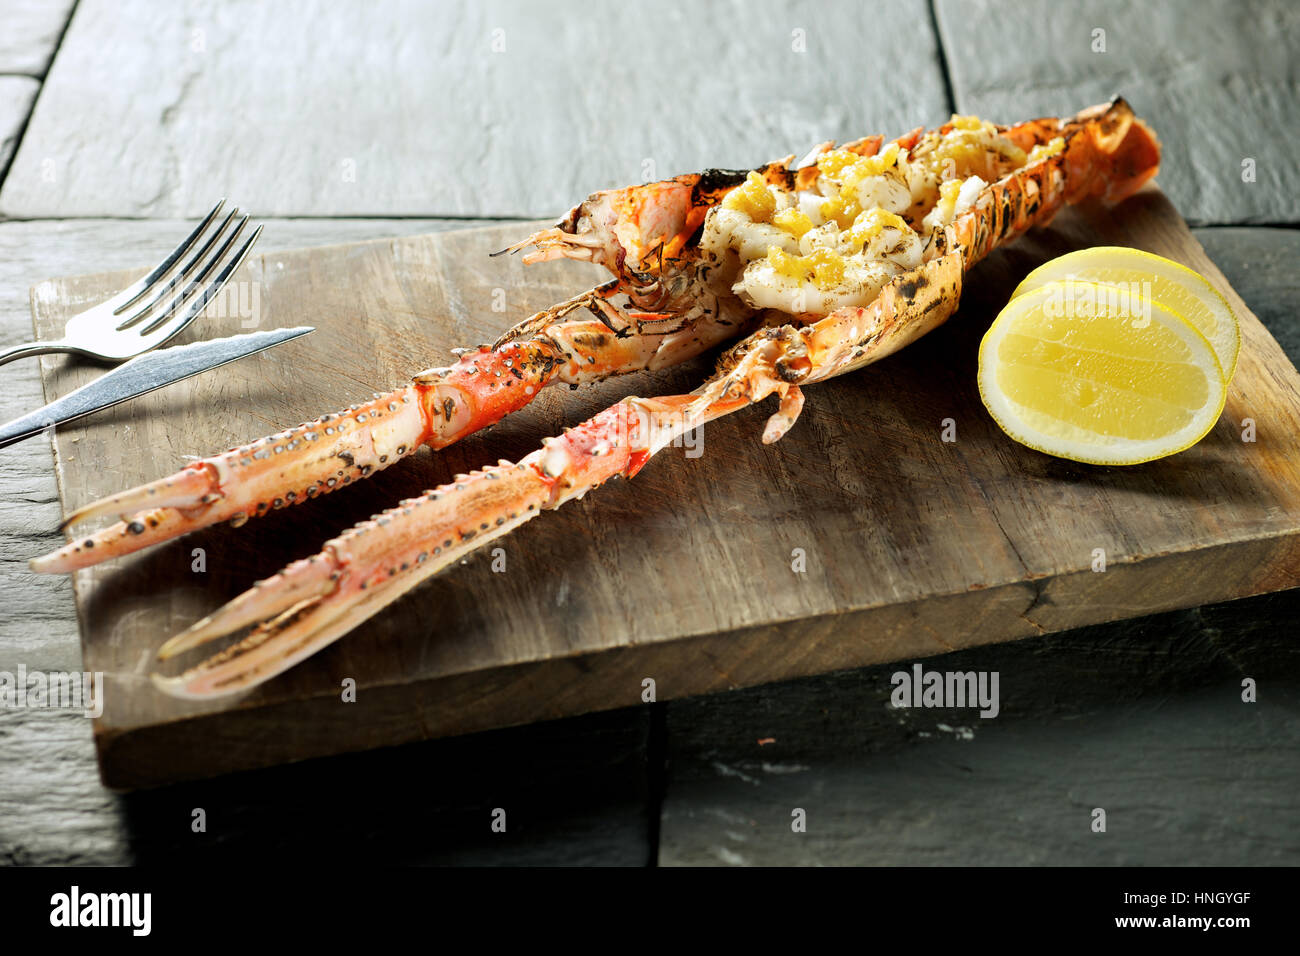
point(1167, 282)
point(1081, 371)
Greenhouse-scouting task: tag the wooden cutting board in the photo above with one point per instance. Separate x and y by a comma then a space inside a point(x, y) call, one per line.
point(861, 537)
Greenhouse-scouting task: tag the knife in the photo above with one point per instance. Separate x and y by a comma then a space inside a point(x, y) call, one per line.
point(143, 374)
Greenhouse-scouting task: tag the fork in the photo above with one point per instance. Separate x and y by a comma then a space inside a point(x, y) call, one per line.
point(117, 330)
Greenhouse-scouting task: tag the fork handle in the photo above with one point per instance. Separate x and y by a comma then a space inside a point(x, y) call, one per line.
point(32, 348)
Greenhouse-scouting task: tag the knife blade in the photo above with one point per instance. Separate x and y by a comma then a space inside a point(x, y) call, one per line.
point(143, 374)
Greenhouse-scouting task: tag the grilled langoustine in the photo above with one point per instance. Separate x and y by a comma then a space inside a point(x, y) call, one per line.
point(823, 266)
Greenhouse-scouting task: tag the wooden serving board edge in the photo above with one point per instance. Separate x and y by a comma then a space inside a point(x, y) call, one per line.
point(690, 665)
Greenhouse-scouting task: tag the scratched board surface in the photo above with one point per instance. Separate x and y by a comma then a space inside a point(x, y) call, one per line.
point(860, 537)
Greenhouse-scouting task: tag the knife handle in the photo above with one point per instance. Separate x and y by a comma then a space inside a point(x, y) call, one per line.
point(106, 391)
point(142, 375)
point(27, 426)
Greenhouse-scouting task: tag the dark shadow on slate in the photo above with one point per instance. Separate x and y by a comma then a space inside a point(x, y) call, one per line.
point(574, 792)
point(1142, 718)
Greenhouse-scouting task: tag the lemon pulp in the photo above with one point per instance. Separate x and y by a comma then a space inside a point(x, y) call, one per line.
point(1073, 370)
point(1169, 283)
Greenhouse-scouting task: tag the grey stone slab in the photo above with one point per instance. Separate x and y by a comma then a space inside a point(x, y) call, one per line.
point(1215, 79)
point(1260, 264)
point(574, 791)
point(31, 31)
point(504, 108)
point(17, 93)
point(1143, 719)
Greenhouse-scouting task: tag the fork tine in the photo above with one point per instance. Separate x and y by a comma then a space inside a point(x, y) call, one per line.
point(200, 303)
point(156, 320)
point(175, 281)
point(165, 266)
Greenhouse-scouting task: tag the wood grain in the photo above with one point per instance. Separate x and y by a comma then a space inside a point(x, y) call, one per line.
point(17, 94)
point(914, 546)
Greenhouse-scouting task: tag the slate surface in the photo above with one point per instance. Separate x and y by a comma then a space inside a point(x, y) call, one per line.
point(574, 793)
point(31, 32)
point(1143, 719)
point(17, 93)
point(1213, 74)
point(1261, 265)
point(505, 108)
point(1215, 78)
